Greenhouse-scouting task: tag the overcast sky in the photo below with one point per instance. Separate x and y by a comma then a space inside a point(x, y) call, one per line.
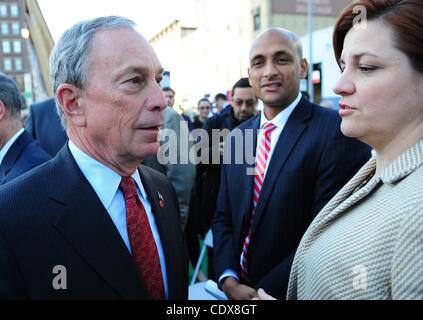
point(150, 15)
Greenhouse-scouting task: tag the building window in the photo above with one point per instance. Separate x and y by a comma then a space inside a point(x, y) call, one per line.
point(7, 62)
point(4, 28)
point(6, 46)
point(18, 64)
point(17, 46)
point(256, 19)
point(3, 10)
point(14, 10)
point(15, 28)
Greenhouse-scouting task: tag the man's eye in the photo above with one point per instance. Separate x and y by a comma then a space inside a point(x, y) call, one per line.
point(256, 63)
point(135, 80)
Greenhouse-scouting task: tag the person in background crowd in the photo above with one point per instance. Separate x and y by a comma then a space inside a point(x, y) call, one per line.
point(181, 175)
point(204, 108)
point(206, 188)
point(44, 125)
point(18, 151)
point(220, 103)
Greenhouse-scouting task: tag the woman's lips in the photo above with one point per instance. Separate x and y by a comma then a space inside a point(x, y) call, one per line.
point(345, 110)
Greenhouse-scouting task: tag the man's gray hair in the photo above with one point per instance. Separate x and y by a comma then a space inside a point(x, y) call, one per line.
point(69, 57)
point(10, 95)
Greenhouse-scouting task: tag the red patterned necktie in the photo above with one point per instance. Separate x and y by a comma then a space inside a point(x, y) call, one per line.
point(262, 157)
point(143, 246)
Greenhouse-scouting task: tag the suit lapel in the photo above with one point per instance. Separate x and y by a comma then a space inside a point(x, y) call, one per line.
point(292, 131)
point(14, 152)
point(155, 196)
point(86, 225)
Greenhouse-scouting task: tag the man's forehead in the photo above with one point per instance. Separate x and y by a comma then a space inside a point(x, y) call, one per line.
point(273, 41)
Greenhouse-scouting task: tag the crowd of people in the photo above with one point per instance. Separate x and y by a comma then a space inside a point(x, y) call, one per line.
point(329, 207)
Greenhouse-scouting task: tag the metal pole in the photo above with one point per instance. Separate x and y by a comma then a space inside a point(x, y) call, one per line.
point(310, 50)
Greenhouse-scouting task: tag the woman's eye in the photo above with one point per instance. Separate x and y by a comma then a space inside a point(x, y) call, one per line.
point(366, 68)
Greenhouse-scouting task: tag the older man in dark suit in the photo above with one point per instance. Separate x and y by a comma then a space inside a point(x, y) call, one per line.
point(301, 161)
point(91, 223)
point(18, 151)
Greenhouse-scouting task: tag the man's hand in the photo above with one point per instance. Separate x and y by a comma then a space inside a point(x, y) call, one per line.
point(262, 295)
point(236, 291)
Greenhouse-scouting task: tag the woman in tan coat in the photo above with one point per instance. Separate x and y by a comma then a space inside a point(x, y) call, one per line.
point(367, 243)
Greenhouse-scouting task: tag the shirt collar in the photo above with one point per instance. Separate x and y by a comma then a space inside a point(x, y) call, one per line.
point(8, 145)
point(281, 119)
point(103, 179)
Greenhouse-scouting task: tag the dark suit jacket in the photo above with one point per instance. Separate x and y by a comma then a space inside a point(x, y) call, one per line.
point(311, 162)
point(44, 125)
point(52, 217)
point(23, 155)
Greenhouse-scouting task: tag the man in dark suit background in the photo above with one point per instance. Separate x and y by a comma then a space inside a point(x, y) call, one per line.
point(44, 125)
point(91, 223)
point(301, 161)
point(18, 151)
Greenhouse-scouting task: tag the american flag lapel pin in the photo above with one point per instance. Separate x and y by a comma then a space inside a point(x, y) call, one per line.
point(161, 200)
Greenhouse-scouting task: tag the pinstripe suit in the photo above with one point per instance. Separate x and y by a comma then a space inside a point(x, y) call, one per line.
point(312, 160)
point(60, 221)
point(367, 243)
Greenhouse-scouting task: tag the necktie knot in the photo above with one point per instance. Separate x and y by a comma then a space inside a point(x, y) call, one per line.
point(127, 185)
point(268, 128)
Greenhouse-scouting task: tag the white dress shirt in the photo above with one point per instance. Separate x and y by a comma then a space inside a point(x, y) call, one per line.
point(8, 145)
point(279, 121)
point(105, 183)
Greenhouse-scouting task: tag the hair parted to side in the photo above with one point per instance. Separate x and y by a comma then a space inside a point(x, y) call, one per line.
point(69, 57)
point(10, 95)
point(404, 17)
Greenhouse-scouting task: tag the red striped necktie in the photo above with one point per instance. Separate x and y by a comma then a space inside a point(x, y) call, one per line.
point(143, 245)
point(262, 158)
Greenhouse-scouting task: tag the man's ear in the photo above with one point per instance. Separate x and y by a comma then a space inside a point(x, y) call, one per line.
point(249, 81)
point(3, 111)
point(68, 97)
point(303, 68)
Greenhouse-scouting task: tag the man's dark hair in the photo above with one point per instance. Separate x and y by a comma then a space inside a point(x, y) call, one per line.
point(10, 95)
point(241, 83)
point(168, 89)
point(221, 96)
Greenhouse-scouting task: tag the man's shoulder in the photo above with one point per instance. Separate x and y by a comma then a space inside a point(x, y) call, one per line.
point(325, 112)
point(251, 123)
point(43, 106)
point(34, 152)
point(153, 175)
